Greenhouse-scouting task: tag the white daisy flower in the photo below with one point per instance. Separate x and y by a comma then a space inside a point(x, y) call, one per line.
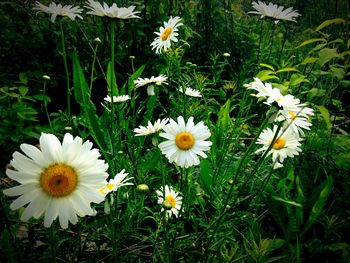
point(170, 200)
point(161, 79)
point(295, 114)
point(274, 11)
point(185, 142)
point(151, 128)
point(58, 10)
point(116, 99)
point(266, 90)
point(287, 144)
point(112, 11)
point(166, 34)
point(114, 184)
point(191, 92)
point(57, 180)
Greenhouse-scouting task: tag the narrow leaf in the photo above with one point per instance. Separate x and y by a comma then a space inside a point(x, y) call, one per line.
point(330, 22)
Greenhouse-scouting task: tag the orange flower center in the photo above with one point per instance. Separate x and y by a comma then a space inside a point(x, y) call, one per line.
point(184, 141)
point(59, 180)
point(165, 34)
point(292, 115)
point(169, 201)
point(279, 144)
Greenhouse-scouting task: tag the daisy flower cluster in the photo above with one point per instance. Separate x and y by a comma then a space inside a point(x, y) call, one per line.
point(295, 117)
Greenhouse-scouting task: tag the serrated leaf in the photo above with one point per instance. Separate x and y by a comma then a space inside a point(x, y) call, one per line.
point(330, 22)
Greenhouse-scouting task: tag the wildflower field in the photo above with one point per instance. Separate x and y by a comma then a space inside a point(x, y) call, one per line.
point(175, 131)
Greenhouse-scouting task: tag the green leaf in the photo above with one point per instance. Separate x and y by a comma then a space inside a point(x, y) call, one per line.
point(266, 75)
point(81, 94)
point(23, 78)
point(310, 41)
point(330, 22)
point(267, 66)
point(309, 60)
point(319, 204)
point(327, 54)
point(111, 77)
point(206, 174)
point(277, 198)
point(23, 90)
point(326, 116)
point(287, 70)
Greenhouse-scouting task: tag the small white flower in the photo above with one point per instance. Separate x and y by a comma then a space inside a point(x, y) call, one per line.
point(114, 184)
point(58, 10)
point(265, 90)
point(169, 199)
point(274, 11)
point(295, 114)
point(112, 11)
point(191, 92)
point(166, 34)
point(185, 142)
point(151, 128)
point(286, 144)
point(161, 79)
point(116, 99)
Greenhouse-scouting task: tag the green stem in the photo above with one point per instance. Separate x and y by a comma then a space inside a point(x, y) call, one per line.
point(93, 69)
point(52, 243)
point(45, 106)
point(64, 54)
point(111, 86)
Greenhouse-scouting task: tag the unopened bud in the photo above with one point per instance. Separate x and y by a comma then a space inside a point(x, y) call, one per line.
point(46, 77)
point(97, 40)
point(143, 187)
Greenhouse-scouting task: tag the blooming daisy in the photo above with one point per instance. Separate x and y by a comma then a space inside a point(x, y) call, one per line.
point(112, 11)
point(151, 128)
point(265, 90)
point(57, 180)
point(114, 184)
point(295, 114)
point(286, 144)
point(191, 92)
point(170, 200)
point(166, 34)
point(116, 99)
point(274, 11)
point(58, 10)
point(185, 141)
point(161, 79)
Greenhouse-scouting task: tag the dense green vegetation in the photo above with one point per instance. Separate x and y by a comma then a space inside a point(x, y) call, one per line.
point(235, 207)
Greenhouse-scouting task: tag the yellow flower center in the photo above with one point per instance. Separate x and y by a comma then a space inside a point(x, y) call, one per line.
point(165, 34)
point(59, 180)
point(292, 115)
point(169, 201)
point(184, 140)
point(279, 144)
